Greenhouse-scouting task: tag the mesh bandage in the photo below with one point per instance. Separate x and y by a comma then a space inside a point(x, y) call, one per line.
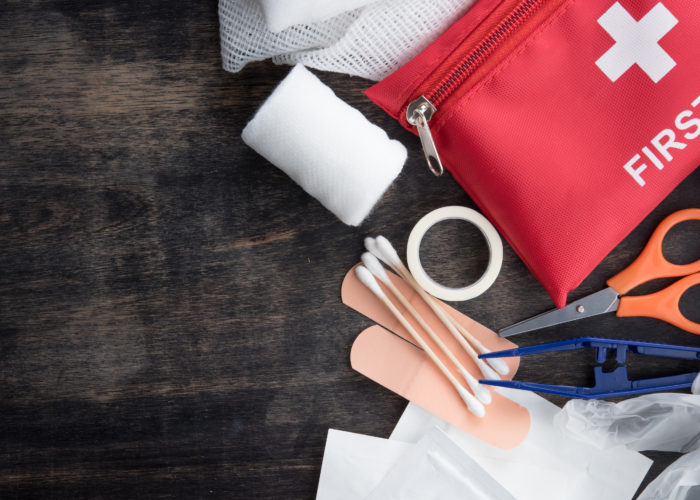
point(281, 14)
point(370, 42)
point(246, 38)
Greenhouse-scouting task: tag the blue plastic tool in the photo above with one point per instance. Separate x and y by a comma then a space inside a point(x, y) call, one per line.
point(607, 384)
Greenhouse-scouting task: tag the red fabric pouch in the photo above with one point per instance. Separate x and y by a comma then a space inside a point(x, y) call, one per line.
point(567, 121)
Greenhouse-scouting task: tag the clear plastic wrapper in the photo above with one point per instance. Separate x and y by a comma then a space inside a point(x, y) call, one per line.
point(662, 422)
point(680, 481)
point(544, 466)
point(438, 468)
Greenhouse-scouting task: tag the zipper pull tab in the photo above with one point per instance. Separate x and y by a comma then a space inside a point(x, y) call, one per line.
point(418, 114)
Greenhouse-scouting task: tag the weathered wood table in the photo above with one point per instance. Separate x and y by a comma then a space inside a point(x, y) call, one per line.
point(170, 315)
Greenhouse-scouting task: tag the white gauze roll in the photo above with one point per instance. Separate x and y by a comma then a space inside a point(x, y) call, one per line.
point(281, 14)
point(325, 145)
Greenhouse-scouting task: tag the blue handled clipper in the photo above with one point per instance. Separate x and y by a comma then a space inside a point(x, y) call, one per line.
point(607, 384)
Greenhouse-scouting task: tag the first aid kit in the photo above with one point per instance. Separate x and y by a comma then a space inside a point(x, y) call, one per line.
point(566, 121)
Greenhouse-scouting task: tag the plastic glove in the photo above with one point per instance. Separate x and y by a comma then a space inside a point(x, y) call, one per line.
point(662, 422)
point(680, 481)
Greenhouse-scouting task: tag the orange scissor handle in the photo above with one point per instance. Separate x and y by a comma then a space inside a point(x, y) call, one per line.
point(651, 263)
point(663, 304)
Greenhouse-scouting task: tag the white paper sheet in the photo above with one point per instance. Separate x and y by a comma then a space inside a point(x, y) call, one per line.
point(354, 464)
point(545, 466)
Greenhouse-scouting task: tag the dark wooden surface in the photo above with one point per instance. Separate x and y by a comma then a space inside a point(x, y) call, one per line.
point(170, 316)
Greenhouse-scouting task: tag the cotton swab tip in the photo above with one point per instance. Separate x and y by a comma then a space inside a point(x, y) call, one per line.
point(368, 280)
point(488, 372)
point(481, 391)
point(375, 267)
point(499, 365)
point(695, 389)
point(388, 251)
point(370, 245)
point(472, 403)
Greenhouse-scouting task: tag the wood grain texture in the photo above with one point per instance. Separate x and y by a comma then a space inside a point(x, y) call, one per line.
point(170, 315)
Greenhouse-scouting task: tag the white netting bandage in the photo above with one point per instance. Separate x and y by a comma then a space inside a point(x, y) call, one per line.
point(281, 14)
point(370, 42)
point(245, 37)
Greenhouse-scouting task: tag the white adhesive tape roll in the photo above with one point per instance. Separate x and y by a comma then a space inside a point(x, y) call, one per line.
point(436, 289)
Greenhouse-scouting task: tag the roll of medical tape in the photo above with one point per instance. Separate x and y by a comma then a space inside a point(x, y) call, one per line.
point(492, 239)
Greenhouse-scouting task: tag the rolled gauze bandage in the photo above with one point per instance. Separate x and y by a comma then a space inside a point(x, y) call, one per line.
point(325, 145)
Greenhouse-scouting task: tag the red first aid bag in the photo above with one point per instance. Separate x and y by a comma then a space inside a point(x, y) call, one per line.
point(567, 121)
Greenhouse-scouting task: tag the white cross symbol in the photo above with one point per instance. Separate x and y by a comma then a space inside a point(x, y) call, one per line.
point(637, 42)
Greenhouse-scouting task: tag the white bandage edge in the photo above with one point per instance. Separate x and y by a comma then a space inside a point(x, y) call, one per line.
point(492, 239)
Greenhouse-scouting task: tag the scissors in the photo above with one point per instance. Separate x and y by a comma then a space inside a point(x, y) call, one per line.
point(651, 264)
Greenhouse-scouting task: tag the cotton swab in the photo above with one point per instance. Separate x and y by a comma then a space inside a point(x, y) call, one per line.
point(371, 247)
point(475, 406)
point(392, 257)
point(388, 254)
point(496, 363)
point(375, 267)
point(382, 246)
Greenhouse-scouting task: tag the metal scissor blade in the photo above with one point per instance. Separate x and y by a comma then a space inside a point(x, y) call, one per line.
point(601, 302)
